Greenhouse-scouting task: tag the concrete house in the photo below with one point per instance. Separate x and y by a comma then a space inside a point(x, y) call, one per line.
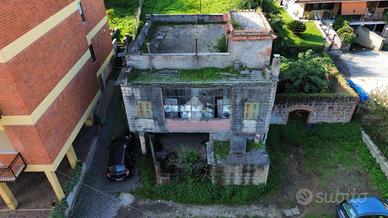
point(179, 81)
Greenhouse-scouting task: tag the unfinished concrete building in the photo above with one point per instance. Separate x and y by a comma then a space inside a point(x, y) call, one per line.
point(206, 74)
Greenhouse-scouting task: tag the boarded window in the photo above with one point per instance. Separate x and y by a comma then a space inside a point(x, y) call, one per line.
point(251, 111)
point(144, 109)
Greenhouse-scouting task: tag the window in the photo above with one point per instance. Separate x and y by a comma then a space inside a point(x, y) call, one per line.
point(319, 6)
point(196, 103)
point(94, 59)
point(251, 111)
point(144, 109)
point(327, 6)
point(383, 4)
point(81, 11)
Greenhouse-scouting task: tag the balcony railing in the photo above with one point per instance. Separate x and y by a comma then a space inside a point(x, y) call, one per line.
point(13, 170)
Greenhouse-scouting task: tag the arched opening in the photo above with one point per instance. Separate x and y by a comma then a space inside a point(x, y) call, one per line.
point(299, 115)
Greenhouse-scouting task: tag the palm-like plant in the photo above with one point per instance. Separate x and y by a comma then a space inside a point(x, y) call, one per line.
point(307, 74)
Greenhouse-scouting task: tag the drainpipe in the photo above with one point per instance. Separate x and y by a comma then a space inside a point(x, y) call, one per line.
point(151, 66)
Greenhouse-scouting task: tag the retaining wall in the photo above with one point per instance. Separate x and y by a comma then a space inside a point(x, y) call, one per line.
point(376, 153)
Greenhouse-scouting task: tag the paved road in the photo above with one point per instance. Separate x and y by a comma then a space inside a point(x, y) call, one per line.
point(98, 196)
point(369, 69)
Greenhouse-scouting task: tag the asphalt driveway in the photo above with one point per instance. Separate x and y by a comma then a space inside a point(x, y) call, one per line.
point(368, 69)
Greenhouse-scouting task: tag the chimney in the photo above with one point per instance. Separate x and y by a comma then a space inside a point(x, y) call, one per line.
point(275, 69)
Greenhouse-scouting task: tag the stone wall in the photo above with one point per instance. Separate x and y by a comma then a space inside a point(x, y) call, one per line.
point(179, 60)
point(331, 109)
point(188, 18)
point(239, 174)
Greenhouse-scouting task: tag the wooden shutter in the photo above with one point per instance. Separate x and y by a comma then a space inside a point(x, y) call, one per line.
point(251, 111)
point(144, 109)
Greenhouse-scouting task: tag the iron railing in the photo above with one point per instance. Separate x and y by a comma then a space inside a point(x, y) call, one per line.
point(13, 170)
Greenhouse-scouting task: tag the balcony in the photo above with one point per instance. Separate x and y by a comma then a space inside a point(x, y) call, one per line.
point(13, 170)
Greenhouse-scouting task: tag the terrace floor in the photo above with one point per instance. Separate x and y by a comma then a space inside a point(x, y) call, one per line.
point(180, 38)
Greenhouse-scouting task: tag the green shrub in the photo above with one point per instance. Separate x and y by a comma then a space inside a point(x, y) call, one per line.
point(221, 149)
point(267, 6)
point(252, 145)
point(338, 22)
point(306, 74)
point(297, 27)
point(346, 33)
point(59, 209)
point(222, 44)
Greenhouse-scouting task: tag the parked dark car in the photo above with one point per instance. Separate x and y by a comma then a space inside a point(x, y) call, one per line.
point(120, 164)
point(363, 207)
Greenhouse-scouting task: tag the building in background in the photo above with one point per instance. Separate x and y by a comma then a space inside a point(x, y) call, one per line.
point(54, 59)
point(204, 74)
point(360, 13)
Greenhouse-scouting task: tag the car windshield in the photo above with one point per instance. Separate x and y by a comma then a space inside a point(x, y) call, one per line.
point(349, 210)
point(119, 168)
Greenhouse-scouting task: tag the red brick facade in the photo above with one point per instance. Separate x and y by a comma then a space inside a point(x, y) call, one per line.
point(33, 73)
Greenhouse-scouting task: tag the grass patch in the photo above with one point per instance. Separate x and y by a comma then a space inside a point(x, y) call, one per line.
point(221, 149)
point(193, 75)
point(189, 6)
point(121, 15)
point(252, 145)
point(327, 149)
point(311, 37)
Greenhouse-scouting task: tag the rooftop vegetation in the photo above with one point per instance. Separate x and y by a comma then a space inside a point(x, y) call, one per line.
point(312, 73)
point(185, 76)
point(221, 149)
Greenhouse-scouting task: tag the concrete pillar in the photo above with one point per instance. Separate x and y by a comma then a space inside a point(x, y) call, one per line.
point(7, 196)
point(53, 179)
point(142, 142)
point(71, 157)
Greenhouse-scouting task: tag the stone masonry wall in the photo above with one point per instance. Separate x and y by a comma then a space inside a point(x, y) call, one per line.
point(328, 110)
point(239, 174)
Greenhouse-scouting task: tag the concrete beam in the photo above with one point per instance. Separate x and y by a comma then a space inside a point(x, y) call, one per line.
point(71, 157)
point(142, 143)
point(53, 179)
point(7, 196)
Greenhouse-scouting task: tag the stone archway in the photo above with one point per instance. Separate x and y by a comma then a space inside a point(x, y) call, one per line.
point(299, 112)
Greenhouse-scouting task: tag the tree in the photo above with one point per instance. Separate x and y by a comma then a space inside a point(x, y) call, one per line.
point(306, 74)
point(346, 33)
point(297, 27)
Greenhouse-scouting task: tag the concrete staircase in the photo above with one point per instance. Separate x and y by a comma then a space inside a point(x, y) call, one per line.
point(333, 41)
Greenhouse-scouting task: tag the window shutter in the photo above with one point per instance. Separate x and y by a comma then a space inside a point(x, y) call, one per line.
point(144, 109)
point(251, 111)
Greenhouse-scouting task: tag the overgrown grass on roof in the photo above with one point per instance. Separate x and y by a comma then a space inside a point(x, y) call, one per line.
point(192, 75)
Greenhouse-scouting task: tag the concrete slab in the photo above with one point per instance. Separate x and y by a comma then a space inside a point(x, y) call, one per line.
point(369, 69)
point(180, 38)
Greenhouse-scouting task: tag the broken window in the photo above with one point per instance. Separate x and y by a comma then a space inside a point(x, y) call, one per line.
point(196, 103)
point(144, 109)
point(251, 111)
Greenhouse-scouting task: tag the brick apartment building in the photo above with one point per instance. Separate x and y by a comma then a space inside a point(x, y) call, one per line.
point(54, 57)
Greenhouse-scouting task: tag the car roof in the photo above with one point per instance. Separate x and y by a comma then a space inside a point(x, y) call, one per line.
point(117, 150)
point(368, 206)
